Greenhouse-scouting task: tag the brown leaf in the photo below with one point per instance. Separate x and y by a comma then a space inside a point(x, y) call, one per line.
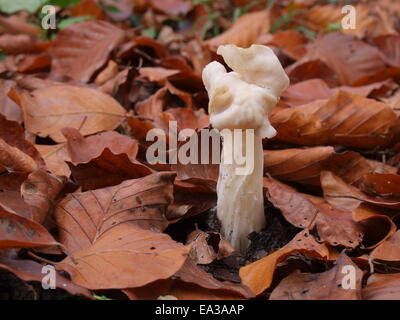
point(88, 8)
point(258, 275)
point(98, 228)
point(295, 207)
point(107, 169)
point(383, 185)
point(18, 25)
point(382, 287)
point(144, 256)
point(14, 135)
point(341, 194)
point(16, 44)
point(48, 110)
point(373, 19)
point(153, 106)
point(389, 250)
point(334, 226)
point(82, 150)
point(208, 246)
point(320, 286)
point(191, 283)
point(307, 91)
point(86, 217)
point(8, 107)
point(55, 157)
point(29, 270)
point(304, 165)
point(157, 74)
point(291, 42)
point(306, 69)
point(191, 273)
point(172, 7)
point(350, 57)
point(83, 48)
point(244, 31)
point(389, 45)
point(337, 227)
point(188, 118)
point(345, 119)
point(13, 159)
point(318, 17)
point(19, 232)
point(109, 72)
point(39, 191)
point(191, 198)
point(377, 226)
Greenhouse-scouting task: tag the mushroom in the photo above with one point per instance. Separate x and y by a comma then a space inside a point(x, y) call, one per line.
point(239, 105)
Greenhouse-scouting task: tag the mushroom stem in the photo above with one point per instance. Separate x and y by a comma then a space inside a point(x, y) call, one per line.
point(240, 204)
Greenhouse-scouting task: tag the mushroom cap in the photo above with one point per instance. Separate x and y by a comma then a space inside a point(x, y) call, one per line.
point(258, 65)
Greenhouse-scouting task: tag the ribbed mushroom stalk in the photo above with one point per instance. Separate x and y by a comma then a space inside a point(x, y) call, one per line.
point(239, 105)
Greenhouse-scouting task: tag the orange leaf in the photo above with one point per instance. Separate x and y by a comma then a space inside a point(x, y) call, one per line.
point(83, 48)
point(244, 31)
point(48, 110)
point(258, 275)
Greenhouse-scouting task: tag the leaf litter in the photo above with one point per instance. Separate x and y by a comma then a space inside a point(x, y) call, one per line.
point(76, 188)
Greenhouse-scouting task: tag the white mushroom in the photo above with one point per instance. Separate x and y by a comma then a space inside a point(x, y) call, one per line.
point(242, 100)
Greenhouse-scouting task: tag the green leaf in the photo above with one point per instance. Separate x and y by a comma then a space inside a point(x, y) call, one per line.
point(2, 56)
point(307, 32)
point(333, 27)
point(101, 297)
point(12, 6)
point(150, 32)
point(68, 21)
point(62, 3)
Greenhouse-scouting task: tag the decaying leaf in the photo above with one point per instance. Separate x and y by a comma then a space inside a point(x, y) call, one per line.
point(258, 275)
point(382, 287)
point(120, 224)
point(244, 31)
point(48, 110)
point(345, 119)
point(328, 285)
point(19, 232)
point(83, 48)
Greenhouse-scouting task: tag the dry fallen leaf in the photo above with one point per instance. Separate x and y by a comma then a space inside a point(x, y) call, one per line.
point(87, 44)
point(388, 250)
point(40, 191)
point(327, 285)
point(382, 287)
point(29, 270)
point(335, 226)
point(345, 119)
point(48, 110)
point(121, 225)
point(244, 31)
point(19, 232)
point(258, 275)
